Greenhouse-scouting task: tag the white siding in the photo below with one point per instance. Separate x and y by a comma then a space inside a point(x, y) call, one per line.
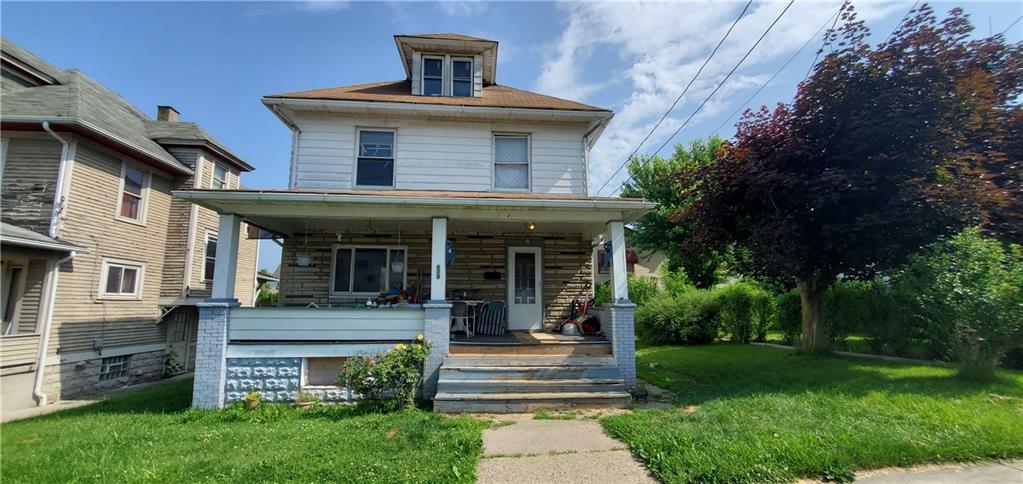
point(439, 155)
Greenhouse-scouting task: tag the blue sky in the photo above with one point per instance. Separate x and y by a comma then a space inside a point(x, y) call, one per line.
point(213, 61)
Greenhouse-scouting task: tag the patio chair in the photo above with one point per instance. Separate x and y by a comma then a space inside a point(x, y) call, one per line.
point(460, 318)
point(492, 319)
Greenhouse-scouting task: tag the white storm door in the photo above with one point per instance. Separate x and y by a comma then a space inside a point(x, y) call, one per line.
point(525, 292)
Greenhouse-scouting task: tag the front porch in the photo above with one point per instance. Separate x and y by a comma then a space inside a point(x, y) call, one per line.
point(362, 272)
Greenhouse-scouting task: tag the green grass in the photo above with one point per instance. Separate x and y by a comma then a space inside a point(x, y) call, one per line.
point(151, 435)
point(759, 414)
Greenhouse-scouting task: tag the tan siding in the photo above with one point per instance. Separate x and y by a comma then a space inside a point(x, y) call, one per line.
point(566, 266)
point(29, 178)
point(177, 230)
point(245, 279)
point(28, 319)
point(18, 350)
point(80, 316)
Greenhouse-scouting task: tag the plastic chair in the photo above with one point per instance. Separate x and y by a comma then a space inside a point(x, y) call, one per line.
point(492, 319)
point(460, 318)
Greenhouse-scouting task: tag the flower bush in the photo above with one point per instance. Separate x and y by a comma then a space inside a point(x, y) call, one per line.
point(391, 377)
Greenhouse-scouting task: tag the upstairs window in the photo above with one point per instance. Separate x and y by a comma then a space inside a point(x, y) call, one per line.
point(133, 185)
point(433, 76)
point(461, 77)
point(375, 164)
point(511, 162)
point(209, 257)
point(121, 280)
point(219, 177)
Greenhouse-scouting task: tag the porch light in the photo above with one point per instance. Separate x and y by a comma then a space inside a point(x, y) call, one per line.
point(530, 226)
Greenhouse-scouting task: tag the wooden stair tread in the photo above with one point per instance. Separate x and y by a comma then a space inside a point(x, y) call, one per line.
point(532, 396)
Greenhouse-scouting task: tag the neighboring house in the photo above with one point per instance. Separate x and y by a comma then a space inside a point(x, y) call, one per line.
point(448, 188)
point(641, 263)
point(101, 266)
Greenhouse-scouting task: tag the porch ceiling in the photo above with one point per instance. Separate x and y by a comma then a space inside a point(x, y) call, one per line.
point(288, 212)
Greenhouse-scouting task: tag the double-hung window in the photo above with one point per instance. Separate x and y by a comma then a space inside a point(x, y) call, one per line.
point(375, 163)
point(219, 177)
point(133, 186)
point(121, 280)
point(461, 77)
point(209, 257)
point(511, 162)
point(433, 76)
point(367, 270)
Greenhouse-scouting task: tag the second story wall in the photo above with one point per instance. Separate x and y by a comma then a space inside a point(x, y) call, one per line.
point(438, 154)
point(31, 162)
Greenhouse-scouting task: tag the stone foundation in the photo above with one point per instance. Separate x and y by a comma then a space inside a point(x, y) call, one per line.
point(68, 381)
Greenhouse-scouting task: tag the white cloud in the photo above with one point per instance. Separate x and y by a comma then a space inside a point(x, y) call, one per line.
point(463, 8)
point(661, 47)
point(323, 5)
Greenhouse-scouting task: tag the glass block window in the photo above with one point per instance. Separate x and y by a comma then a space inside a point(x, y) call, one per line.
point(113, 368)
point(433, 76)
point(376, 159)
point(461, 77)
point(511, 162)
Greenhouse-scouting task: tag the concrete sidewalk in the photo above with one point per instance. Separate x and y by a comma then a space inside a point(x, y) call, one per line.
point(21, 414)
point(995, 473)
point(525, 450)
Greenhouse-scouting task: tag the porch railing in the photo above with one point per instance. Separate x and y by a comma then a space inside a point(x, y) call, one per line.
point(302, 324)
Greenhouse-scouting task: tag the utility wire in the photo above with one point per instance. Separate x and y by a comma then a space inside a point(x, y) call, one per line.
point(718, 87)
point(823, 42)
point(904, 17)
point(786, 64)
point(1014, 22)
point(670, 109)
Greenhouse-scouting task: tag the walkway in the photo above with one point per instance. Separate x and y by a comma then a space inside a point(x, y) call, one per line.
point(525, 450)
point(994, 473)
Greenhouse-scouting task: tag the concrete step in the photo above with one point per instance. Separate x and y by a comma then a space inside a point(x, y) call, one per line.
point(527, 402)
point(561, 385)
point(527, 372)
point(582, 349)
point(478, 360)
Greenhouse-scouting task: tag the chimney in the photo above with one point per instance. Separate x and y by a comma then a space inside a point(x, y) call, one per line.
point(167, 113)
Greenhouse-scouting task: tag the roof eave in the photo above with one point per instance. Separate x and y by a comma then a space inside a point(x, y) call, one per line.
point(218, 150)
point(581, 114)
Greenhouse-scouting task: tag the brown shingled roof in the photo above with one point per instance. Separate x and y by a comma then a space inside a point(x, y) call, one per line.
point(447, 36)
point(495, 96)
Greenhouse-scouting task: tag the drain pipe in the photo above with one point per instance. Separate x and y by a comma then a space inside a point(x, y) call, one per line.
point(58, 191)
point(44, 339)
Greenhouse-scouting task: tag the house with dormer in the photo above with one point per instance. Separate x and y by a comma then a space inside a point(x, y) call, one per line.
point(444, 204)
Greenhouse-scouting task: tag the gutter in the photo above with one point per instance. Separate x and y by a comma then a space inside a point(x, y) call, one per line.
point(438, 108)
point(44, 341)
point(59, 192)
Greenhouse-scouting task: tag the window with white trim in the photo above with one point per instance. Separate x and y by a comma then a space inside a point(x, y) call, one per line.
point(113, 367)
point(219, 177)
point(364, 270)
point(209, 257)
point(133, 193)
point(121, 280)
point(375, 162)
point(433, 76)
point(461, 77)
point(511, 162)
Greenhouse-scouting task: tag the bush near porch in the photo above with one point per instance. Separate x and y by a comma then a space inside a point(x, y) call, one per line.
point(759, 414)
point(153, 436)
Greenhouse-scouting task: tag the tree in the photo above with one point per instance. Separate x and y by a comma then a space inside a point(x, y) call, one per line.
point(653, 178)
point(883, 151)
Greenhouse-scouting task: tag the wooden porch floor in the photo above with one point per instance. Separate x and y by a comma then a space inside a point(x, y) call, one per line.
point(526, 343)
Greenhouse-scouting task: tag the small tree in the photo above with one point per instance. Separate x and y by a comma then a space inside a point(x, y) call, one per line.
point(653, 178)
point(970, 292)
point(882, 151)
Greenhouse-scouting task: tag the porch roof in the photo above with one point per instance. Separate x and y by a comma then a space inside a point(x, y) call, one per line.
point(288, 212)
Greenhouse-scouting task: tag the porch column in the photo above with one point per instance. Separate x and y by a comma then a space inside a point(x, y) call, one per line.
point(623, 327)
point(227, 257)
point(211, 353)
point(437, 317)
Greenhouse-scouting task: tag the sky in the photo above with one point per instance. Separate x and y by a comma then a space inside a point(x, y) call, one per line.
point(213, 61)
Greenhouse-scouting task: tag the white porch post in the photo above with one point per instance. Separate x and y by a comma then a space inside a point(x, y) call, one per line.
point(437, 317)
point(227, 256)
point(623, 327)
point(214, 318)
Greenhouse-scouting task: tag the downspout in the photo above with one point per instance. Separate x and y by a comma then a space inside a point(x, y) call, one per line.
point(58, 192)
point(44, 340)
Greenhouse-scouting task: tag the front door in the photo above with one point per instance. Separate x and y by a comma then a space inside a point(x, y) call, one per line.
point(525, 293)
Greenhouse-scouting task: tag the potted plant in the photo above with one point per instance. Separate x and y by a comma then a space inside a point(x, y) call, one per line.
point(252, 400)
point(306, 400)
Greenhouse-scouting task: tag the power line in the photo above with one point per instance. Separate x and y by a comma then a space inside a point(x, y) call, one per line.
point(823, 42)
point(721, 83)
point(670, 109)
point(1014, 22)
point(786, 64)
point(904, 17)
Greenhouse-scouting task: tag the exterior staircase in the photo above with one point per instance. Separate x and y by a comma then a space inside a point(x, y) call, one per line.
point(516, 383)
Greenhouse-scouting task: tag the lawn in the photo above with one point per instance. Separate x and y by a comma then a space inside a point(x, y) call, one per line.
point(757, 414)
point(153, 436)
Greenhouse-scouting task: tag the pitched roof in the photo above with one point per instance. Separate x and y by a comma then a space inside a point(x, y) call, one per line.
point(22, 237)
point(494, 96)
point(174, 132)
point(447, 36)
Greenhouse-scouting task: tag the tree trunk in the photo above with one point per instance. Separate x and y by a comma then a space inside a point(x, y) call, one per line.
point(815, 328)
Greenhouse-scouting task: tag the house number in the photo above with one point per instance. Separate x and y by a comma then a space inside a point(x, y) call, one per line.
point(438, 272)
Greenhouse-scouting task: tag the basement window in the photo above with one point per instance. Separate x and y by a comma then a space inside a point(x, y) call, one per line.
point(113, 368)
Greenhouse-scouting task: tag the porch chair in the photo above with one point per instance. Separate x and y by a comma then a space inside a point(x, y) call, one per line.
point(492, 319)
point(460, 318)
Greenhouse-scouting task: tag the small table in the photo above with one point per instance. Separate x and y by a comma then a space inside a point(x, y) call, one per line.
point(472, 310)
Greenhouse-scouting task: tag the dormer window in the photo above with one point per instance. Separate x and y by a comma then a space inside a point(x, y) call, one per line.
point(433, 76)
point(461, 77)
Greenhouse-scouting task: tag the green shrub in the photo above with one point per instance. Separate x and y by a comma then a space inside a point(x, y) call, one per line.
point(602, 294)
point(676, 282)
point(969, 289)
point(688, 318)
point(788, 315)
point(391, 377)
point(744, 311)
point(641, 290)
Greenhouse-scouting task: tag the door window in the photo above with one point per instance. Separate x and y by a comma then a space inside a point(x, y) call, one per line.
point(525, 278)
